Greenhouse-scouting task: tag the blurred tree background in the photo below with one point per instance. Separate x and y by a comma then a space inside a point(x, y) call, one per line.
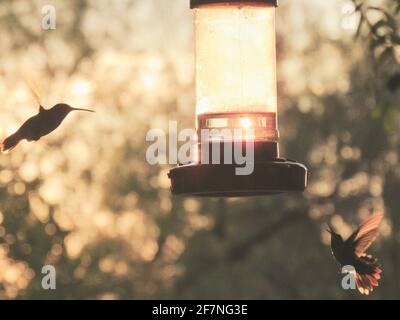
point(86, 201)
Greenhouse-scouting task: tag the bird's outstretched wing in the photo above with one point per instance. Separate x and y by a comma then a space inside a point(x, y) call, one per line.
point(34, 89)
point(28, 76)
point(363, 237)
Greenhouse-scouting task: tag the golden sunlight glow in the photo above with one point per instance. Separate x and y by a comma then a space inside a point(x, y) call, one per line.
point(154, 63)
point(84, 198)
point(350, 17)
point(235, 58)
point(245, 122)
point(148, 81)
point(81, 87)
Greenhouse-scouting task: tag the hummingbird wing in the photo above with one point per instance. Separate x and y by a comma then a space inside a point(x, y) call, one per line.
point(33, 87)
point(363, 237)
point(32, 84)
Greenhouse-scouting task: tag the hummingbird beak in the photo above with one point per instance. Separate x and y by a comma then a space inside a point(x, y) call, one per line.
point(330, 230)
point(80, 109)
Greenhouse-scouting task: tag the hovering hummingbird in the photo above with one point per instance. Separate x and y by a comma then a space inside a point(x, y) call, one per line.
point(46, 121)
point(352, 252)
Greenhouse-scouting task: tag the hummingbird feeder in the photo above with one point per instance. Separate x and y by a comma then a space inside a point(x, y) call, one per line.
point(236, 89)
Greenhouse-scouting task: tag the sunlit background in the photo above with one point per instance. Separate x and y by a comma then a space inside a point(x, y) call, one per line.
point(85, 200)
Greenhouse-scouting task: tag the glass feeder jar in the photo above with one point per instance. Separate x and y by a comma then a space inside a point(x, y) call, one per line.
point(236, 66)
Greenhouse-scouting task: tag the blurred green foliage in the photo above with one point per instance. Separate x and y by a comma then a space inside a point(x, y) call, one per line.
point(88, 203)
point(384, 38)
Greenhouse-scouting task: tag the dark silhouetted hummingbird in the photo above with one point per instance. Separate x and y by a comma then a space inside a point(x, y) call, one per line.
point(352, 252)
point(46, 121)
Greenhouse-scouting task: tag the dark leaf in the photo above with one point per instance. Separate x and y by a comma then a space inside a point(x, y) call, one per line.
point(386, 55)
point(393, 83)
point(360, 24)
point(383, 23)
point(396, 39)
point(377, 42)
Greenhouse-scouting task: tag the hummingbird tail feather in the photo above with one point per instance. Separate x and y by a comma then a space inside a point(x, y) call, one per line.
point(368, 278)
point(10, 143)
